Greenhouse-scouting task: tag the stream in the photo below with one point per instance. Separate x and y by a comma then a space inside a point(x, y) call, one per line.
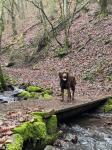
point(10, 95)
point(87, 132)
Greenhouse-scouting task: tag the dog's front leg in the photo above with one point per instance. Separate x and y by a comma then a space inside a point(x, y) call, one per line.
point(73, 91)
point(69, 95)
point(62, 93)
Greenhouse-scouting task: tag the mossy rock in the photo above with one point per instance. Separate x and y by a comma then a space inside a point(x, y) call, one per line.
point(48, 91)
point(43, 115)
point(31, 130)
point(25, 94)
point(16, 144)
point(52, 125)
point(39, 114)
point(110, 101)
point(47, 97)
point(50, 139)
point(39, 129)
point(34, 89)
point(34, 95)
point(42, 131)
point(25, 130)
point(49, 147)
point(37, 118)
point(108, 106)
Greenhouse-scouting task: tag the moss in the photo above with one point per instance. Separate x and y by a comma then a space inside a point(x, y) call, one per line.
point(25, 130)
point(61, 52)
point(25, 94)
point(36, 92)
point(34, 89)
point(34, 95)
point(110, 101)
point(52, 125)
point(42, 131)
point(31, 130)
point(10, 80)
point(108, 106)
point(37, 118)
point(51, 138)
point(39, 129)
point(44, 115)
point(16, 144)
point(48, 91)
point(47, 97)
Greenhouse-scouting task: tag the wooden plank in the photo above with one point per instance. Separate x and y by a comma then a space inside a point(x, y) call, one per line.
point(78, 109)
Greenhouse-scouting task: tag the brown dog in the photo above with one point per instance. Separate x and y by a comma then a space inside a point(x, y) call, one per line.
point(67, 82)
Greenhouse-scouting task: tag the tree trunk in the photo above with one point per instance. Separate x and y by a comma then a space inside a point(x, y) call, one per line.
point(13, 19)
point(103, 4)
point(1, 23)
point(2, 81)
point(65, 15)
point(13, 25)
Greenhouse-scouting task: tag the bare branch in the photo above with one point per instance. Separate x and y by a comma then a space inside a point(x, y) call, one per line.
point(47, 20)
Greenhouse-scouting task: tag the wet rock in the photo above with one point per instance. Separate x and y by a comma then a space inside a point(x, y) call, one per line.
point(24, 86)
point(58, 143)
point(48, 147)
point(17, 91)
point(1, 101)
point(64, 128)
point(74, 139)
point(109, 123)
point(10, 88)
point(71, 138)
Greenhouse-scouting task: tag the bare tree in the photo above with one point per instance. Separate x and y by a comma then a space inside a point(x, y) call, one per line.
point(2, 81)
point(1, 22)
point(45, 18)
point(10, 6)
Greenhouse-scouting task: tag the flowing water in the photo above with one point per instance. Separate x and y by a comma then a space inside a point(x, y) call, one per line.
point(88, 132)
point(10, 96)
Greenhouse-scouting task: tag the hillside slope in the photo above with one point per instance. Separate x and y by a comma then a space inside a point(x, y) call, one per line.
point(89, 59)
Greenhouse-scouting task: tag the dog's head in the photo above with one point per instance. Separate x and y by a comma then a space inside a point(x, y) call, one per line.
point(63, 76)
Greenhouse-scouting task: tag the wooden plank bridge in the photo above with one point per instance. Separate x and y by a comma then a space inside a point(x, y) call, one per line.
point(61, 109)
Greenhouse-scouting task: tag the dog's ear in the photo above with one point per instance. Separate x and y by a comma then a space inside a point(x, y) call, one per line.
point(60, 75)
